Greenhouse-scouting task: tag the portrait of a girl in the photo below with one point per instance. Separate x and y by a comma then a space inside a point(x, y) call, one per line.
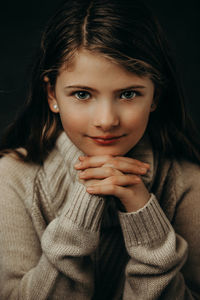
point(100, 171)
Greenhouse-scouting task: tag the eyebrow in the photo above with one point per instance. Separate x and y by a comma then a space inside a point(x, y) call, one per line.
point(93, 90)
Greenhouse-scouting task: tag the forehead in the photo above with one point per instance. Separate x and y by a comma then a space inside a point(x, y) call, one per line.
point(94, 68)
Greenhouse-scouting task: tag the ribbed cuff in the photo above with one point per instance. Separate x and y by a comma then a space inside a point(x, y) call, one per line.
point(147, 225)
point(84, 209)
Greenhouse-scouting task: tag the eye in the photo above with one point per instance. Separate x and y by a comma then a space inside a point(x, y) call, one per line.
point(128, 95)
point(82, 95)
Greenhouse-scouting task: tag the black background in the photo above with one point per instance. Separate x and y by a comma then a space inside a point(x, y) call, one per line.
point(21, 24)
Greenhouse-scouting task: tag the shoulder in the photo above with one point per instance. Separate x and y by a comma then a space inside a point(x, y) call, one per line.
point(179, 174)
point(184, 179)
point(14, 171)
point(11, 166)
point(16, 176)
point(186, 173)
point(175, 182)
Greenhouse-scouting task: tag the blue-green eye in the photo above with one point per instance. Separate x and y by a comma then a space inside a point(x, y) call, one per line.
point(128, 95)
point(82, 95)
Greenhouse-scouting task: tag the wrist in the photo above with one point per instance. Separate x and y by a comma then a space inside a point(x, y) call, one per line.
point(137, 198)
point(135, 204)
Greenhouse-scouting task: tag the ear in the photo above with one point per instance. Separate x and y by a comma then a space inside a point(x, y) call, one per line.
point(51, 98)
point(156, 98)
point(153, 106)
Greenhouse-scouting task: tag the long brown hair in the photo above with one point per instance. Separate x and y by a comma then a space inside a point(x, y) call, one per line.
point(126, 32)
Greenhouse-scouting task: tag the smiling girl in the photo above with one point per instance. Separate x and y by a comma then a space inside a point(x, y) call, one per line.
point(99, 175)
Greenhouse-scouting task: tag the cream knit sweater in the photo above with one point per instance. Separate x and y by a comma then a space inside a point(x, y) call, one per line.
point(59, 242)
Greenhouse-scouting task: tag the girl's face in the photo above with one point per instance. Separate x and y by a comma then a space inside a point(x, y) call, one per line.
point(104, 109)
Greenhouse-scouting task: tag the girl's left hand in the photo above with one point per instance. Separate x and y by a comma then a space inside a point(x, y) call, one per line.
point(116, 176)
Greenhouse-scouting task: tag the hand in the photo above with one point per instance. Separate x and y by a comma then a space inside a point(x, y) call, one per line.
point(116, 176)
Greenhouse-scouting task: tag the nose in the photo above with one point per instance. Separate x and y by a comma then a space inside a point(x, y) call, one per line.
point(106, 116)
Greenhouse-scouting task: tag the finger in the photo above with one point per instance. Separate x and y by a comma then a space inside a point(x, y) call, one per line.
point(126, 195)
point(89, 182)
point(109, 189)
point(119, 180)
point(92, 161)
point(126, 167)
point(98, 173)
point(135, 161)
point(126, 163)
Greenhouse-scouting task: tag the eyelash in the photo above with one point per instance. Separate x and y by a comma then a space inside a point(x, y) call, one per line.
point(132, 91)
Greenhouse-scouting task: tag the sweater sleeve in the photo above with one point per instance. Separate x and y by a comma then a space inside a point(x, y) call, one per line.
point(58, 264)
point(157, 255)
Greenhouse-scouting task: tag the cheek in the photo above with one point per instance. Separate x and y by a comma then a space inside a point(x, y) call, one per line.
point(73, 119)
point(137, 118)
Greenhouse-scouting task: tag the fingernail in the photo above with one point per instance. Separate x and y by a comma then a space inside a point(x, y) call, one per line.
point(146, 165)
point(78, 165)
point(90, 189)
point(81, 158)
point(143, 170)
point(137, 180)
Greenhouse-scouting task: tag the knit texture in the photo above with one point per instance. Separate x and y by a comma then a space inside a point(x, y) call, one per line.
point(59, 242)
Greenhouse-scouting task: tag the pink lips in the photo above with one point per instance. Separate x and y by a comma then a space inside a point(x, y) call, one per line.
point(106, 140)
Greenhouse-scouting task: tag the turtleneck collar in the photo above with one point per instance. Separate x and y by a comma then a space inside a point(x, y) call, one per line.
point(69, 152)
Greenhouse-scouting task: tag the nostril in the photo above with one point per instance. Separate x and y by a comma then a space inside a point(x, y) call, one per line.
point(106, 120)
point(107, 123)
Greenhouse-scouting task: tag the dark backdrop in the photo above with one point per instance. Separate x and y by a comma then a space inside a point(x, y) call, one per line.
point(21, 23)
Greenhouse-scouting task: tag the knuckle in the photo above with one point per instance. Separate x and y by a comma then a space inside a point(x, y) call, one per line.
point(115, 163)
point(113, 180)
point(109, 171)
point(108, 157)
point(134, 168)
point(113, 188)
point(88, 173)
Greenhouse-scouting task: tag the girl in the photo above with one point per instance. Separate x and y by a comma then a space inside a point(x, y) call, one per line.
point(99, 175)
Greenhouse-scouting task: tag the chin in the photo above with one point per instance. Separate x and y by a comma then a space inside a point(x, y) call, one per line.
point(103, 151)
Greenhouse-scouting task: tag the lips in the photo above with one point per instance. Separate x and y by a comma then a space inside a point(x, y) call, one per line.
point(106, 140)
